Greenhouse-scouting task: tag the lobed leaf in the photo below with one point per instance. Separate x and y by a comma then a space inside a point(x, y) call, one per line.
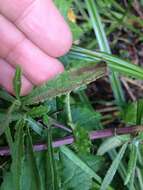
point(38, 111)
point(87, 118)
point(73, 177)
point(77, 161)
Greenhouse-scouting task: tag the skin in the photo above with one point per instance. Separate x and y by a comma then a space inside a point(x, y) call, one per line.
point(33, 34)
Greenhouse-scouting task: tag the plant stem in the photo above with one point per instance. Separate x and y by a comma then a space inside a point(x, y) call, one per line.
point(99, 134)
point(69, 114)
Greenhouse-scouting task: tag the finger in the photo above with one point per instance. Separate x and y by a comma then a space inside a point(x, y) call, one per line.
point(36, 65)
point(7, 73)
point(41, 22)
point(9, 37)
point(17, 50)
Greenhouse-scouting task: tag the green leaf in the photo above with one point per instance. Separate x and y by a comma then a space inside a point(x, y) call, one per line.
point(113, 168)
point(111, 143)
point(14, 176)
point(97, 26)
point(6, 125)
point(131, 163)
point(17, 82)
point(41, 164)
point(51, 170)
point(85, 117)
point(122, 167)
point(68, 110)
point(114, 62)
point(140, 177)
point(38, 111)
point(14, 117)
point(37, 127)
point(76, 30)
point(18, 155)
point(65, 83)
point(77, 161)
point(139, 112)
point(104, 47)
point(129, 113)
point(6, 96)
point(73, 177)
point(31, 176)
point(132, 113)
point(64, 6)
point(7, 182)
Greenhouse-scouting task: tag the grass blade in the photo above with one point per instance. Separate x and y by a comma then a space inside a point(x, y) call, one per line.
point(97, 26)
point(140, 177)
point(111, 143)
point(113, 168)
point(131, 164)
point(116, 63)
point(104, 47)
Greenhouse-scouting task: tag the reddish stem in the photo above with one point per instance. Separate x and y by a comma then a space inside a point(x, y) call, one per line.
point(99, 134)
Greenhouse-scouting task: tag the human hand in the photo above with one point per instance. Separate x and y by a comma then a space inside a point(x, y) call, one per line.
point(32, 34)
